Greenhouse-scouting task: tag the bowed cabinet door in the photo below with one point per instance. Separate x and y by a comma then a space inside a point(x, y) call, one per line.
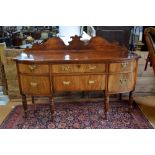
point(119, 83)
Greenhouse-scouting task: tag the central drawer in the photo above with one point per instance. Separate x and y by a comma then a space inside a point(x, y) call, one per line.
point(79, 83)
point(35, 85)
point(78, 68)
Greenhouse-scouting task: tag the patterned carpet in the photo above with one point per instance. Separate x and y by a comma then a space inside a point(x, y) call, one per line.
point(82, 115)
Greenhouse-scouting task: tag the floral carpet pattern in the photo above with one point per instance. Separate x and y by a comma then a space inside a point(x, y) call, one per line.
point(82, 115)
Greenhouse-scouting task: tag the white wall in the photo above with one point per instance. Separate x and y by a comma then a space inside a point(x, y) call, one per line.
point(68, 31)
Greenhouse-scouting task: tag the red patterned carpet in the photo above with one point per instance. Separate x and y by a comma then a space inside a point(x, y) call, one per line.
point(77, 116)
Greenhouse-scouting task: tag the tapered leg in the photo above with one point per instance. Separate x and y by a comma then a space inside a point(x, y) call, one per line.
point(83, 94)
point(32, 99)
point(52, 106)
point(120, 96)
point(130, 100)
point(24, 101)
point(106, 103)
point(33, 102)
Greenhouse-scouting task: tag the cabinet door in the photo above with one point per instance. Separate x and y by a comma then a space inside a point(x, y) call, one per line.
point(35, 85)
point(121, 82)
point(79, 83)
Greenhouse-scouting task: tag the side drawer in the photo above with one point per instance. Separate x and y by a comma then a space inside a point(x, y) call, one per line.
point(76, 68)
point(79, 83)
point(122, 67)
point(35, 85)
point(34, 68)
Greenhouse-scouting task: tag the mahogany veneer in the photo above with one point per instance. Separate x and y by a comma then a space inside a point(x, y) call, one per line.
point(98, 65)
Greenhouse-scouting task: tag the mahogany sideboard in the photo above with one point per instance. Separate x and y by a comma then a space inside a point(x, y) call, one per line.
point(81, 66)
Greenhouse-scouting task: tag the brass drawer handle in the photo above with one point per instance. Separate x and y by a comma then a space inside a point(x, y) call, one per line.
point(91, 67)
point(33, 84)
point(66, 82)
point(124, 64)
point(32, 67)
point(65, 68)
point(123, 81)
point(91, 81)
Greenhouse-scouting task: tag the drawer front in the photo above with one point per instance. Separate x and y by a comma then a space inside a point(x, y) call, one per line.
point(34, 68)
point(37, 85)
point(79, 83)
point(82, 68)
point(121, 67)
point(121, 82)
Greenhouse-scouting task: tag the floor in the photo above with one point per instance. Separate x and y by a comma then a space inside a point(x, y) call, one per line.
point(5, 109)
point(149, 112)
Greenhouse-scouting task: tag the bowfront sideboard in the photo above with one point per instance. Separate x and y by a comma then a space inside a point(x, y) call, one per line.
point(97, 65)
